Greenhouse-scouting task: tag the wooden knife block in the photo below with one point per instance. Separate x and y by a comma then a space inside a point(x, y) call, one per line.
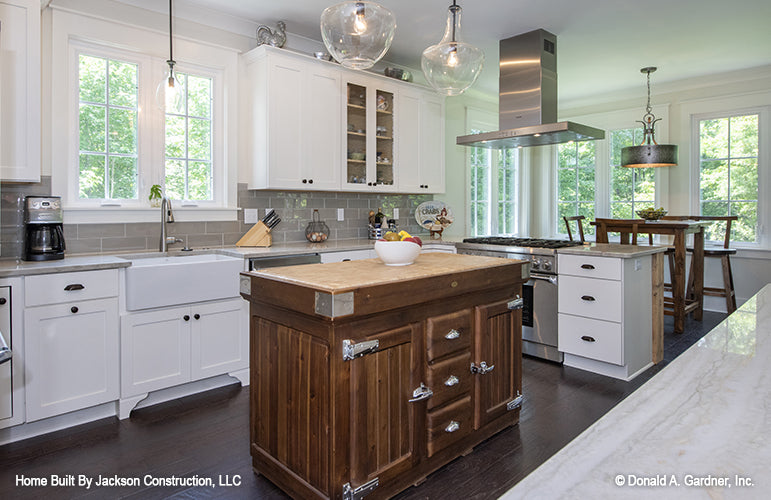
point(258, 236)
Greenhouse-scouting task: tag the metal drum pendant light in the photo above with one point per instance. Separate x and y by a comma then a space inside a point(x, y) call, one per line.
point(452, 66)
point(357, 34)
point(649, 153)
point(169, 93)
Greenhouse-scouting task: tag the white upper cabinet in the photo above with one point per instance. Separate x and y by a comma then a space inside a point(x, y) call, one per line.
point(295, 111)
point(317, 126)
point(20, 90)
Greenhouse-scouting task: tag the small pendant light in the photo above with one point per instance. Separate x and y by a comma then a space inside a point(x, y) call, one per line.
point(649, 153)
point(357, 34)
point(452, 66)
point(169, 93)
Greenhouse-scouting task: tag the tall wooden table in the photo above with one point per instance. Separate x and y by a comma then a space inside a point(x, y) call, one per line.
point(678, 229)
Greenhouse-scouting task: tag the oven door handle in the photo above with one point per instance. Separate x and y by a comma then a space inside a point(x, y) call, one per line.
point(544, 277)
point(5, 351)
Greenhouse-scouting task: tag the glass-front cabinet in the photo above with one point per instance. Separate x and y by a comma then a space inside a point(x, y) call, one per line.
point(369, 145)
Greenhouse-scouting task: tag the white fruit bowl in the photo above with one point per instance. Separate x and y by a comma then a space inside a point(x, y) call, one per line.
point(397, 253)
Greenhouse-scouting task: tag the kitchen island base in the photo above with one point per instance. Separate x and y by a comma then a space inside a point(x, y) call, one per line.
point(410, 369)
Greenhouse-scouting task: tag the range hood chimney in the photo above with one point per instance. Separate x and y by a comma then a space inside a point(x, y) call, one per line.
point(527, 100)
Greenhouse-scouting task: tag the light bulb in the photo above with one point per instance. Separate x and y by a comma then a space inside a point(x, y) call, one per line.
point(360, 24)
point(169, 95)
point(452, 58)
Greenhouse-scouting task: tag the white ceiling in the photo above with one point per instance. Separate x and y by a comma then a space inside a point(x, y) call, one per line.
point(602, 44)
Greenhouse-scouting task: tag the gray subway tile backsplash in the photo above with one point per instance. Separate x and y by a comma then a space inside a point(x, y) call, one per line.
point(294, 208)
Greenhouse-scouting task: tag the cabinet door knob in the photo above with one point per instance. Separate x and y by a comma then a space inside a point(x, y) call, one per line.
point(186, 317)
point(454, 426)
point(451, 381)
point(588, 298)
point(452, 334)
point(74, 309)
point(74, 286)
point(305, 181)
point(197, 316)
point(310, 181)
point(2, 301)
point(587, 338)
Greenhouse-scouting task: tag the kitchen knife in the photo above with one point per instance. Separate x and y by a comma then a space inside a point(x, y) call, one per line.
point(268, 215)
point(273, 223)
point(270, 218)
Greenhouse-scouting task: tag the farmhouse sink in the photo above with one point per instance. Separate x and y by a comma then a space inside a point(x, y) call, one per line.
point(172, 280)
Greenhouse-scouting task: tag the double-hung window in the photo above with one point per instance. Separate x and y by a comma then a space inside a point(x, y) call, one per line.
point(728, 173)
point(631, 189)
point(575, 183)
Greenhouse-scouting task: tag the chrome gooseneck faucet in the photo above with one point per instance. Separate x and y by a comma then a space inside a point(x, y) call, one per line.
point(167, 216)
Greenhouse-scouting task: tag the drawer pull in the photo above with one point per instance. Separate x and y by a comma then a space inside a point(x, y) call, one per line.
point(74, 309)
point(74, 286)
point(454, 426)
point(452, 334)
point(587, 338)
point(588, 298)
point(587, 266)
point(451, 381)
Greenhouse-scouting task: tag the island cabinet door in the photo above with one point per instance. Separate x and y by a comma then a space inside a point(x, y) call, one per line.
point(498, 344)
point(383, 420)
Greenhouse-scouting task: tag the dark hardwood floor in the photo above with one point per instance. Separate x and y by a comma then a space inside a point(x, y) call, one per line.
point(207, 435)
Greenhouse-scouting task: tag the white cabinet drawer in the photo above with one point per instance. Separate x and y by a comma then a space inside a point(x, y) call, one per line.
point(349, 255)
point(591, 338)
point(600, 299)
point(68, 287)
point(589, 266)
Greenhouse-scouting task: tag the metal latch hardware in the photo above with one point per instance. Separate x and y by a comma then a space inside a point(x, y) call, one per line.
point(353, 351)
point(482, 368)
point(517, 303)
point(515, 403)
point(350, 493)
point(421, 393)
point(451, 381)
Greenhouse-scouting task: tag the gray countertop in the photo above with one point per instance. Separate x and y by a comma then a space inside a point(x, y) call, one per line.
point(613, 250)
point(13, 268)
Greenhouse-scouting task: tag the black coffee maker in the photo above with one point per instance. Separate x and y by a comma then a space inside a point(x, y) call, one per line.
point(43, 234)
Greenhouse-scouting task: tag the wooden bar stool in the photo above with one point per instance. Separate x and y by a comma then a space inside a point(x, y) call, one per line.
point(724, 253)
point(579, 219)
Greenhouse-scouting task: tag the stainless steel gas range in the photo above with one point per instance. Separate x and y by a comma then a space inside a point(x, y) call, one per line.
point(539, 316)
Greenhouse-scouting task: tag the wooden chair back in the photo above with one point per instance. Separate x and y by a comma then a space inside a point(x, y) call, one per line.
point(602, 227)
point(728, 219)
point(579, 223)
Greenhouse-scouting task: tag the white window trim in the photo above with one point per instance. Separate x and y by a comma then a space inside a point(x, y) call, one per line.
point(763, 241)
point(127, 42)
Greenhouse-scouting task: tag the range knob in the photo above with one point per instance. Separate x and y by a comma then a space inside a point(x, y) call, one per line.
point(546, 265)
point(536, 263)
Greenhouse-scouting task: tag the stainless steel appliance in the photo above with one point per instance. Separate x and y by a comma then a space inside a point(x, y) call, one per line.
point(527, 98)
point(43, 230)
point(539, 315)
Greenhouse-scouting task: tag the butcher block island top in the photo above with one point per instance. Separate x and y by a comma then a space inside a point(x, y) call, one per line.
point(366, 378)
point(366, 281)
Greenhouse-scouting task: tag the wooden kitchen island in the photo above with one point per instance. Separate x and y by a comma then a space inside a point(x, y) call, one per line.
point(366, 378)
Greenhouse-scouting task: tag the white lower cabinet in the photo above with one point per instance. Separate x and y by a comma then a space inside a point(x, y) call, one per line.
point(347, 255)
point(605, 314)
point(71, 356)
point(167, 347)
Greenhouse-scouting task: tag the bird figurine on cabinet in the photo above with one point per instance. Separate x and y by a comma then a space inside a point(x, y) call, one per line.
point(266, 36)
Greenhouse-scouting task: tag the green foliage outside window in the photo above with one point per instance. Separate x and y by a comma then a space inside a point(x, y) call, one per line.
point(728, 180)
point(631, 189)
point(107, 129)
point(575, 184)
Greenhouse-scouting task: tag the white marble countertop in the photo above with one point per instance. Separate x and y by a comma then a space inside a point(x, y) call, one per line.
point(85, 262)
point(613, 250)
point(705, 418)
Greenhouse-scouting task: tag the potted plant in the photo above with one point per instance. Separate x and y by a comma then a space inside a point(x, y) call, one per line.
point(156, 194)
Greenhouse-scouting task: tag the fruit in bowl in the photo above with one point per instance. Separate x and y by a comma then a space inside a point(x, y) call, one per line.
point(651, 213)
point(397, 253)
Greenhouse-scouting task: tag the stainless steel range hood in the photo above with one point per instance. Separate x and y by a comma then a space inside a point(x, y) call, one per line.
point(527, 105)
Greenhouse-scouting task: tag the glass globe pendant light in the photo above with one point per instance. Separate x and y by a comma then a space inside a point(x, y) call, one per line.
point(169, 93)
point(649, 153)
point(452, 66)
point(357, 34)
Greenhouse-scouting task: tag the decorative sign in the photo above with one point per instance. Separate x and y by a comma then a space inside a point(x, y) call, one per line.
point(434, 216)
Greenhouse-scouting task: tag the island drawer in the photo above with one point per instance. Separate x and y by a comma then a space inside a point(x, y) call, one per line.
point(590, 338)
point(589, 266)
point(448, 333)
point(449, 424)
point(599, 299)
point(449, 379)
point(69, 287)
